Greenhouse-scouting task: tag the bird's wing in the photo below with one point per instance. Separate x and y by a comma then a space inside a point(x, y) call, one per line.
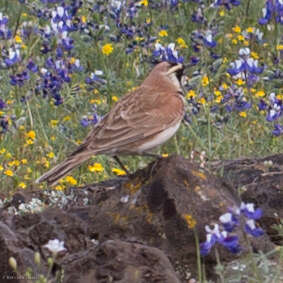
point(138, 115)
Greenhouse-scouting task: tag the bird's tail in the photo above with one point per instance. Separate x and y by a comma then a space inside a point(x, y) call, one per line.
point(62, 169)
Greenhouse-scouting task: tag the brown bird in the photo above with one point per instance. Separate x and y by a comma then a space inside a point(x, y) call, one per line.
point(140, 121)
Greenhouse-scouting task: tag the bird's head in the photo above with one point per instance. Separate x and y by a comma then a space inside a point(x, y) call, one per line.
point(167, 74)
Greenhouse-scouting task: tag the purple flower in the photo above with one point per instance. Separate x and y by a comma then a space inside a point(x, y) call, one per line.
point(31, 66)
point(167, 53)
point(272, 7)
point(262, 105)
point(19, 79)
point(227, 3)
point(231, 243)
point(208, 39)
point(249, 211)
point(229, 221)
point(95, 78)
point(274, 112)
point(214, 236)
point(251, 228)
point(84, 122)
point(13, 57)
point(278, 130)
point(2, 104)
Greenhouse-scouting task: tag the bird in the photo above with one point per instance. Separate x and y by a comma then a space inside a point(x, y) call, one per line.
point(140, 121)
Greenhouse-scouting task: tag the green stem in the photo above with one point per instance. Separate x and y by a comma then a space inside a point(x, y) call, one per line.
point(198, 255)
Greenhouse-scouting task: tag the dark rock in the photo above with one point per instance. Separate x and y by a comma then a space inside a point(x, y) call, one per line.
point(118, 261)
point(124, 229)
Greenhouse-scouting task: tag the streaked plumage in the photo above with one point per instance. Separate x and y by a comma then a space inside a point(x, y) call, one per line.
point(137, 123)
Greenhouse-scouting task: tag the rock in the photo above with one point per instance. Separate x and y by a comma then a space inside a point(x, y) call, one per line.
point(123, 262)
point(125, 228)
point(260, 180)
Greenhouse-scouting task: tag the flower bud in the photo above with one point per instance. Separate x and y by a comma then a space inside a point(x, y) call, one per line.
point(37, 258)
point(13, 263)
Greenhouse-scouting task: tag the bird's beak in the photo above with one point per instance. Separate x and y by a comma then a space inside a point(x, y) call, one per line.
point(175, 69)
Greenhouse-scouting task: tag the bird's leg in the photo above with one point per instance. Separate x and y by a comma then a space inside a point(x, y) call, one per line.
point(158, 157)
point(121, 164)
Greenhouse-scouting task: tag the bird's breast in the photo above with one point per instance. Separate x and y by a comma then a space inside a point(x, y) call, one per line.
point(159, 138)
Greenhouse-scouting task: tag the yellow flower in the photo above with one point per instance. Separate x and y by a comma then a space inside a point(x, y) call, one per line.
point(115, 98)
point(144, 3)
point(205, 80)
point(254, 55)
point(218, 99)
point(163, 33)
point(240, 37)
point(9, 173)
point(190, 220)
point(45, 162)
point(235, 41)
point(53, 138)
point(95, 101)
point(107, 49)
point(67, 118)
point(8, 155)
point(240, 82)
point(164, 155)
point(182, 42)
point(2, 150)
point(71, 180)
point(83, 19)
point(118, 172)
point(202, 101)
point(217, 92)
point(96, 167)
point(72, 60)
point(31, 135)
point(246, 43)
point(224, 86)
point(138, 38)
point(260, 93)
point(28, 142)
point(22, 185)
point(250, 29)
point(243, 114)
point(51, 154)
point(279, 47)
point(59, 188)
point(221, 13)
point(1, 168)
point(191, 94)
point(18, 39)
point(236, 29)
point(53, 123)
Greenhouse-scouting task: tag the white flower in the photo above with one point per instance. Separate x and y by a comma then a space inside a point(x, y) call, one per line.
point(55, 246)
point(244, 51)
point(226, 218)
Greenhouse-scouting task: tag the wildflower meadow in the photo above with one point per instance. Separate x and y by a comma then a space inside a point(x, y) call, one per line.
point(65, 63)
